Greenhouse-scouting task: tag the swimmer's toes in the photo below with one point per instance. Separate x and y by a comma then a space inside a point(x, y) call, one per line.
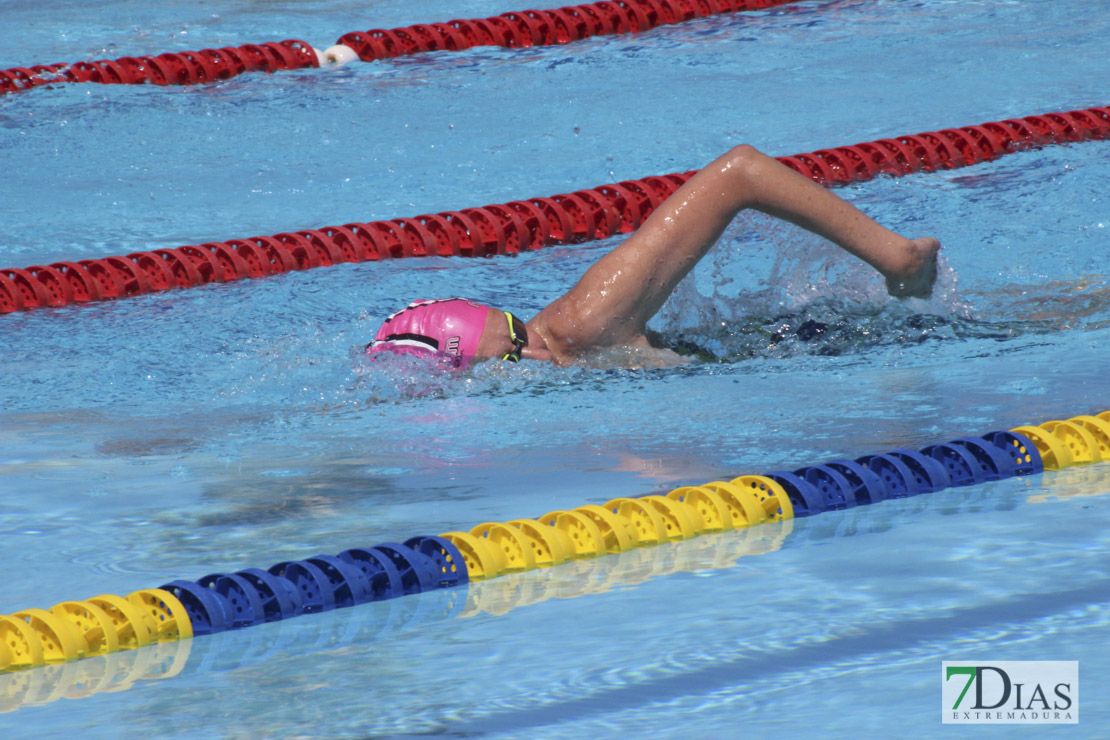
point(918, 283)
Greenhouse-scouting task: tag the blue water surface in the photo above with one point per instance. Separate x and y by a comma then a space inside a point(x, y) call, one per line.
point(188, 432)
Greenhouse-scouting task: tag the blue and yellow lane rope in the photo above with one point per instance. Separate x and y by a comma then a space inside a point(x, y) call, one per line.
point(181, 609)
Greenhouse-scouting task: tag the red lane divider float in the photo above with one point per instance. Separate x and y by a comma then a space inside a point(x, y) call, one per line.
point(180, 68)
point(541, 27)
point(517, 29)
point(509, 228)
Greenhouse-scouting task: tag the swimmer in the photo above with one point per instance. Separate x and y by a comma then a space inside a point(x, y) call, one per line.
point(612, 303)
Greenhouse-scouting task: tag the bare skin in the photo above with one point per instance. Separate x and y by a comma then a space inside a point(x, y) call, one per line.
point(613, 301)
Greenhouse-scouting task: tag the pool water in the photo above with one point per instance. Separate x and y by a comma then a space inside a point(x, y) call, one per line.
point(188, 432)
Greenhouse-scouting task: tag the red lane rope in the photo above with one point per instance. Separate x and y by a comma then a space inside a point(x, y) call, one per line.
point(508, 228)
point(180, 68)
point(516, 29)
point(541, 27)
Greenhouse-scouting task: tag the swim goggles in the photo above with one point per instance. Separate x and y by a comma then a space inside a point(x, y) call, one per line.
point(518, 335)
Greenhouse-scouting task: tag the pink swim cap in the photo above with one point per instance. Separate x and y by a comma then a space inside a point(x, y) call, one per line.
point(450, 328)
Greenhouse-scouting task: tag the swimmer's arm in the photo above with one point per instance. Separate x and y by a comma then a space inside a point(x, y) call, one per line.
point(618, 295)
point(613, 301)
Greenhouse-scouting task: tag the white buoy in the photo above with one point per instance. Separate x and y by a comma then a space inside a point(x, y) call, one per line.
point(337, 56)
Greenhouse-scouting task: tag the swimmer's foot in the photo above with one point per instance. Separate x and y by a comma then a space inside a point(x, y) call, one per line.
point(916, 280)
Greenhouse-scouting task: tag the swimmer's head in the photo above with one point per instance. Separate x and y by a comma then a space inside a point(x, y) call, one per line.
point(451, 328)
